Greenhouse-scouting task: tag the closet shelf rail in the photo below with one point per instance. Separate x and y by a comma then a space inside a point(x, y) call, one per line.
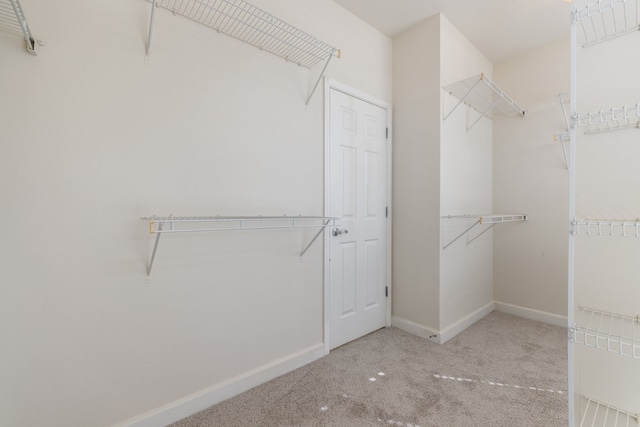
point(491, 220)
point(597, 413)
point(624, 117)
point(483, 95)
point(607, 19)
point(159, 225)
point(14, 21)
point(252, 25)
point(615, 333)
point(608, 228)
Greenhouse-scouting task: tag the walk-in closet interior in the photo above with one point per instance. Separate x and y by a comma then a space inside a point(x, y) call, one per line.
point(201, 196)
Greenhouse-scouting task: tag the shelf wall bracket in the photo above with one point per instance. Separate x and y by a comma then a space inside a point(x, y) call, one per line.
point(490, 220)
point(13, 19)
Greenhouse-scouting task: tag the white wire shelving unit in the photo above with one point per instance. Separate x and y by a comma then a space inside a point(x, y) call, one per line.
point(612, 332)
point(250, 24)
point(624, 117)
point(193, 224)
point(484, 96)
point(607, 19)
point(14, 21)
point(482, 219)
point(598, 413)
point(608, 228)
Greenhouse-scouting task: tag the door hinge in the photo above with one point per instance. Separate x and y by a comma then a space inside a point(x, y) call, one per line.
point(386, 211)
point(386, 291)
point(387, 133)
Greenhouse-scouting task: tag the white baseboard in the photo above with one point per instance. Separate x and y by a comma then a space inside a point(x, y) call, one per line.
point(415, 329)
point(451, 331)
point(530, 313)
point(217, 393)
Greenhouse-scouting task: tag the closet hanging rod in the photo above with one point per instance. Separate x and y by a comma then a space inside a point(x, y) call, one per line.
point(14, 21)
point(192, 224)
point(607, 19)
point(490, 220)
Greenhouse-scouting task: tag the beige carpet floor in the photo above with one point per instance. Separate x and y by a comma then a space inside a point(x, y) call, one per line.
point(504, 371)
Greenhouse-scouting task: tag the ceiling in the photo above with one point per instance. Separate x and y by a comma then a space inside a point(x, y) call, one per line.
point(499, 28)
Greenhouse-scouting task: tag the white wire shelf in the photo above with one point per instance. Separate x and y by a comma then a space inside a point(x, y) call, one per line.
point(252, 25)
point(615, 333)
point(483, 219)
point(159, 225)
point(608, 228)
point(607, 19)
point(597, 413)
point(14, 21)
point(624, 117)
point(483, 95)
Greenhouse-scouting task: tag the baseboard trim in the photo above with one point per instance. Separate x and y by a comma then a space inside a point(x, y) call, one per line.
point(532, 314)
point(415, 329)
point(451, 331)
point(217, 393)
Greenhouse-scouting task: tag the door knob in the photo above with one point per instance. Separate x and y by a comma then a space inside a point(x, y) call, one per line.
point(336, 231)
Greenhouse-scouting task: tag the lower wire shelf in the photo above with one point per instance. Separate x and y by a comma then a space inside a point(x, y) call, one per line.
point(159, 225)
point(597, 413)
point(615, 333)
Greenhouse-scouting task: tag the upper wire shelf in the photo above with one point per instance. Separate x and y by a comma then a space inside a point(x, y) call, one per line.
point(159, 225)
point(609, 228)
point(14, 21)
point(615, 333)
point(250, 24)
point(597, 413)
point(624, 117)
point(489, 219)
point(607, 19)
point(483, 95)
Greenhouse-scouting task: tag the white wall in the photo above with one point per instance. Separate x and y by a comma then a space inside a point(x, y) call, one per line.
point(466, 280)
point(530, 176)
point(607, 179)
point(92, 139)
point(416, 177)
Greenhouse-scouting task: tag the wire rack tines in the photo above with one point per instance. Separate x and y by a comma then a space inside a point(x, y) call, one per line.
point(616, 333)
point(597, 413)
point(608, 228)
point(606, 19)
point(612, 119)
point(13, 21)
point(253, 25)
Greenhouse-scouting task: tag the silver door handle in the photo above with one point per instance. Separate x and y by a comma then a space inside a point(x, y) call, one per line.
point(336, 231)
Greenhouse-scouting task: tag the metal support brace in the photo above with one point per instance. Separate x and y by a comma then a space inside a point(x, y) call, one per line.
point(155, 248)
point(315, 86)
point(482, 232)
point(462, 99)
point(324, 227)
point(462, 234)
point(483, 114)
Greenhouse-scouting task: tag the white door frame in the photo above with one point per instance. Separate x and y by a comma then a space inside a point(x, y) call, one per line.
point(356, 93)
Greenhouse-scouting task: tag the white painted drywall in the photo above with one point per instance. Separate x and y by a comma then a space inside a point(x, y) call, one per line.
point(466, 277)
point(92, 139)
point(416, 176)
point(530, 176)
point(607, 179)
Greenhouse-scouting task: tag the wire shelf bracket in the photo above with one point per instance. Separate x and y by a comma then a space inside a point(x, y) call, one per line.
point(615, 118)
point(607, 19)
point(615, 333)
point(608, 228)
point(14, 21)
point(490, 220)
point(250, 24)
point(484, 96)
point(193, 224)
point(597, 413)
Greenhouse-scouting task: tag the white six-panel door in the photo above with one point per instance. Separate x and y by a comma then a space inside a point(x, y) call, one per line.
point(357, 194)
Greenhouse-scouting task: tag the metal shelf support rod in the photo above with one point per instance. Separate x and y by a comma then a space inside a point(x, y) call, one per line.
point(324, 227)
point(462, 234)
point(462, 99)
